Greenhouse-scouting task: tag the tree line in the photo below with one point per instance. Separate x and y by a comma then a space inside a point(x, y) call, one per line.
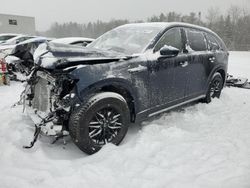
point(233, 26)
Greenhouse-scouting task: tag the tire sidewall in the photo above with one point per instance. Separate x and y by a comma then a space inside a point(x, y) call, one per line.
point(216, 76)
point(83, 140)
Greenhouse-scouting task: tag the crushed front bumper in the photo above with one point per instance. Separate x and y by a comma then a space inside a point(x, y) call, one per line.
point(48, 127)
point(41, 111)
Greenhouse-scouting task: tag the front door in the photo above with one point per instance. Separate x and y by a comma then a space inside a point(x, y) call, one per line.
point(168, 75)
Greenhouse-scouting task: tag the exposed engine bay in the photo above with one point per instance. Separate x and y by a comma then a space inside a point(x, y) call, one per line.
point(48, 100)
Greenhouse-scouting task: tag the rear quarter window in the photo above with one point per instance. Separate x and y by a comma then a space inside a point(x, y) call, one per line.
point(196, 40)
point(213, 44)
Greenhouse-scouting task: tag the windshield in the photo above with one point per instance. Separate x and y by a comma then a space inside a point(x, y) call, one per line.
point(128, 39)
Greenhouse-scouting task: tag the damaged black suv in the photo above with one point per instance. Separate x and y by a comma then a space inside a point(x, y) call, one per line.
point(130, 73)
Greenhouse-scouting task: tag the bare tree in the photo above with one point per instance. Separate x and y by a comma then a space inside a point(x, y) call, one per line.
point(233, 27)
point(213, 15)
point(235, 13)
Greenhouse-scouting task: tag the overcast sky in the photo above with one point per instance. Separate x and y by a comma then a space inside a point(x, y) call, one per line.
point(83, 11)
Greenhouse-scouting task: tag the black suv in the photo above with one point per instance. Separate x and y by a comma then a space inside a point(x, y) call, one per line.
point(130, 73)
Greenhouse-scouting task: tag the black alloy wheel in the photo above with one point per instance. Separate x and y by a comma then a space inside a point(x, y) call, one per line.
point(103, 119)
point(215, 87)
point(105, 125)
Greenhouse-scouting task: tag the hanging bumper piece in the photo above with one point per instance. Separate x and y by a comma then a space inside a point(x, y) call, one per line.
point(237, 82)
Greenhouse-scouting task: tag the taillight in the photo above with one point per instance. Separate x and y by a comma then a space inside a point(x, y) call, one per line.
point(3, 66)
point(4, 77)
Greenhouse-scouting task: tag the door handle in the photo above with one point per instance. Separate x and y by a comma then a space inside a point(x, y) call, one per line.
point(184, 63)
point(212, 59)
point(140, 68)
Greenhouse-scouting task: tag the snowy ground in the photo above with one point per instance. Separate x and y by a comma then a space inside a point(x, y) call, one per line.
point(198, 146)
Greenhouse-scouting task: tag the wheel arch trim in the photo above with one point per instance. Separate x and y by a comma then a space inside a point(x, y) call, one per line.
point(116, 85)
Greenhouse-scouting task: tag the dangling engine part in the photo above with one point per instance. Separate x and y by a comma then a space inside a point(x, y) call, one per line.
point(46, 105)
point(237, 82)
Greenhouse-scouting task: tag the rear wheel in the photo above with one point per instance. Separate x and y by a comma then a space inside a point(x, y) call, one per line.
point(215, 87)
point(103, 119)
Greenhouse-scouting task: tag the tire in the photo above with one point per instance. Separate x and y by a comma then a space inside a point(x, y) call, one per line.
point(215, 87)
point(103, 119)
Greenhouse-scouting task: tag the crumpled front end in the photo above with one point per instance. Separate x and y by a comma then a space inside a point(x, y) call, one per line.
point(51, 93)
point(48, 101)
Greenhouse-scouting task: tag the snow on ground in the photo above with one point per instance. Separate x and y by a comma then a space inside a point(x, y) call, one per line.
point(197, 146)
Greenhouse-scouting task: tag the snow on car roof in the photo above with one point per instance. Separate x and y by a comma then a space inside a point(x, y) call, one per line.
point(164, 25)
point(17, 37)
point(8, 46)
point(9, 34)
point(37, 39)
point(160, 25)
point(190, 25)
point(69, 40)
point(14, 39)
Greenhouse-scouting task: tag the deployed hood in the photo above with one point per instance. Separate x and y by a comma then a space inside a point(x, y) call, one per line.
point(6, 50)
point(4, 47)
point(59, 56)
point(25, 50)
point(12, 59)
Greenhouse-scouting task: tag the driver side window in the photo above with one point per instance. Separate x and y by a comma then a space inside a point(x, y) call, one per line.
point(171, 38)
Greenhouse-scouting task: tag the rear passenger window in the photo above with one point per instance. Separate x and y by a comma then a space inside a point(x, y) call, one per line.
point(171, 38)
point(196, 40)
point(213, 45)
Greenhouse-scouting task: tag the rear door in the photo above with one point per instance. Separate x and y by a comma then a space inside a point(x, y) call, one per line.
point(198, 58)
point(217, 54)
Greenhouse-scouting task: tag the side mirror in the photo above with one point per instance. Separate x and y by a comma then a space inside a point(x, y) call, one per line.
point(84, 44)
point(214, 48)
point(169, 51)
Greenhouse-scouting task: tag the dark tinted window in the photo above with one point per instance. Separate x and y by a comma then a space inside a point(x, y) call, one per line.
point(23, 39)
point(79, 43)
point(6, 37)
point(212, 43)
point(36, 44)
point(170, 38)
point(196, 40)
point(13, 22)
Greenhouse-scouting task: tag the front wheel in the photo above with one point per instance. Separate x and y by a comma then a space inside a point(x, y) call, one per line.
point(103, 119)
point(215, 87)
